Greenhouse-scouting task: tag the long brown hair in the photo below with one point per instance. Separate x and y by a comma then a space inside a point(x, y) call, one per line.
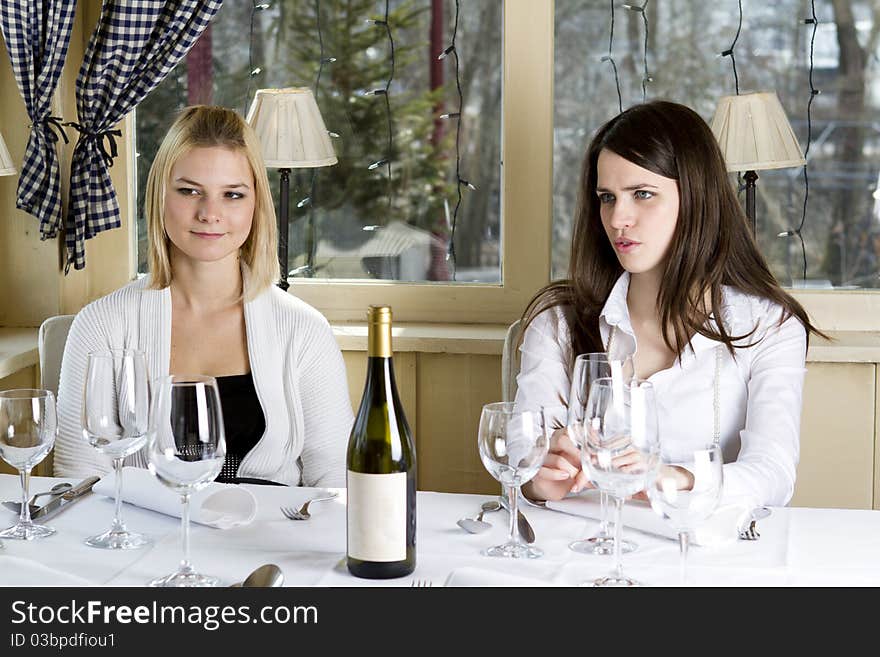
point(712, 244)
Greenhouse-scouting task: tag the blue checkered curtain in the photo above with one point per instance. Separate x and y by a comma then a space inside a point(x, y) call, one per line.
point(132, 49)
point(37, 33)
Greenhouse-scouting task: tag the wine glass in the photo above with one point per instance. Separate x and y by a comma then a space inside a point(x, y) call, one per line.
point(28, 426)
point(687, 490)
point(621, 450)
point(115, 419)
point(185, 451)
point(587, 368)
point(512, 446)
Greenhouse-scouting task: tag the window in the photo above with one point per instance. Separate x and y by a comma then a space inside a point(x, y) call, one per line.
point(842, 225)
point(364, 227)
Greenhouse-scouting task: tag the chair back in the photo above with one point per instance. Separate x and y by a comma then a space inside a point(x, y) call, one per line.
point(510, 362)
point(50, 342)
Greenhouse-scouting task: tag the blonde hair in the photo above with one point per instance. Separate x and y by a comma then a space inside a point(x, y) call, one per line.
point(205, 126)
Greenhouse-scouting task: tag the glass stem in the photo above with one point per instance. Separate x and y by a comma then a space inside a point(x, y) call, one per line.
point(185, 565)
point(24, 516)
point(512, 507)
point(683, 555)
point(618, 516)
point(118, 525)
point(603, 514)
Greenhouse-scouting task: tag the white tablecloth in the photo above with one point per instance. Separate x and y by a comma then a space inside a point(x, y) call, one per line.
point(800, 547)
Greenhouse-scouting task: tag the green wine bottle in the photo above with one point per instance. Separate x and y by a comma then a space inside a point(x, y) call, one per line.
point(381, 469)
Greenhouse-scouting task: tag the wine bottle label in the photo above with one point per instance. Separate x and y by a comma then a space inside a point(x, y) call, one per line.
point(377, 516)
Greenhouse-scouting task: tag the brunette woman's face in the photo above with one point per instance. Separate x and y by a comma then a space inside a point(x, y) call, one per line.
point(209, 203)
point(639, 210)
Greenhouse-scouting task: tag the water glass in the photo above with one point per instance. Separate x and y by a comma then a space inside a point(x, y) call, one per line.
point(185, 452)
point(512, 446)
point(115, 419)
point(621, 450)
point(28, 427)
point(687, 490)
point(588, 368)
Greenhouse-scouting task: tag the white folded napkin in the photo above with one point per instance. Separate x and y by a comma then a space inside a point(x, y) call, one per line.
point(16, 571)
point(217, 505)
point(467, 576)
point(721, 528)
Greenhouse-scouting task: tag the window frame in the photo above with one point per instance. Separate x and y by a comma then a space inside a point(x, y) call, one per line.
point(526, 212)
point(526, 198)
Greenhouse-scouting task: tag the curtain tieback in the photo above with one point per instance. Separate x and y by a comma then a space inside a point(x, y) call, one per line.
point(54, 123)
point(98, 137)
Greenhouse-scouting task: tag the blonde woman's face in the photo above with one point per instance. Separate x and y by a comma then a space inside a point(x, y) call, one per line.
point(209, 203)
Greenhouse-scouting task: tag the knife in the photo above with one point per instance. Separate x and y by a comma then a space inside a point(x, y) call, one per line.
point(66, 499)
point(522, 523)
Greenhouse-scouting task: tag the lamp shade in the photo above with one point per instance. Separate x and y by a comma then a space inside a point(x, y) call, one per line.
point(7, 168)
point(291, 129)
point(755, 134)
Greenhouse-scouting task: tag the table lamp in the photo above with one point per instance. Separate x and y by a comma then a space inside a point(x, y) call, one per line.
point(291, 130)
point(755, 135)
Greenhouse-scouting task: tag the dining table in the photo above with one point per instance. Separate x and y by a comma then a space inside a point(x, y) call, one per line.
point(797, 547)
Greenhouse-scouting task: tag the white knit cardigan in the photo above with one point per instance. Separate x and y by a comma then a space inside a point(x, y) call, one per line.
point(297, 368)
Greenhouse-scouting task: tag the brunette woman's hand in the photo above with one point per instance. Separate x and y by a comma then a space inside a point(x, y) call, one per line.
point(682, 478)
point(561, 472)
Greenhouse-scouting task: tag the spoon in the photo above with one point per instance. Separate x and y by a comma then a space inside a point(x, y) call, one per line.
point(266, 576)
point(478, 525)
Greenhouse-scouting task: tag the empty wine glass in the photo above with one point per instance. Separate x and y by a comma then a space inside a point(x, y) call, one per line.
point(115, 419)
point(687, 490)
point(28, 426)
point(587, 368)
point(185, 451)
point(512, 447)
point(621, 450)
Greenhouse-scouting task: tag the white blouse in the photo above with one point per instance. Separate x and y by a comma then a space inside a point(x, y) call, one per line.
point(760, 389)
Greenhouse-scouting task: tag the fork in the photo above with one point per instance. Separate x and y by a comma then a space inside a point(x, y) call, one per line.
point(750, 533)
point(302, 513)
point(421, 583)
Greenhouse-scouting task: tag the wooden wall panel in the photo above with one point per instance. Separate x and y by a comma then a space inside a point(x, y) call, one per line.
point(26, 378)
point(452, 389)
point(837, 437)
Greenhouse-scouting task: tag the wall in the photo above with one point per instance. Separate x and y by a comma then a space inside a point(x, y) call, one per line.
point(31, 271)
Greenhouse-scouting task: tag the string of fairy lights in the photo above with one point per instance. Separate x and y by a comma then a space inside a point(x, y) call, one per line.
point(731, 51)
point(460, 182)
point(309, 268)
point(253, 71)
point(385, 92)
point(797, 232)
point(646, 75)
point(610, 58)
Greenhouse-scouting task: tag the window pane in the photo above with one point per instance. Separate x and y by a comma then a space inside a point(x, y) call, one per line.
point(841, 229)
point(365, 227)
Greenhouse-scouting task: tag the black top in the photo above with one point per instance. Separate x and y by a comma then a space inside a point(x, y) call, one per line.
point(243, 420)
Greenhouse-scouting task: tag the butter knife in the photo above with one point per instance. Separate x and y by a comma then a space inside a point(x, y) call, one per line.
point(522, 523)
point(65, 500)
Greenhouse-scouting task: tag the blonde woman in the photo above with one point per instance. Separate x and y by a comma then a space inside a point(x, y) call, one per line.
point(209, 306)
